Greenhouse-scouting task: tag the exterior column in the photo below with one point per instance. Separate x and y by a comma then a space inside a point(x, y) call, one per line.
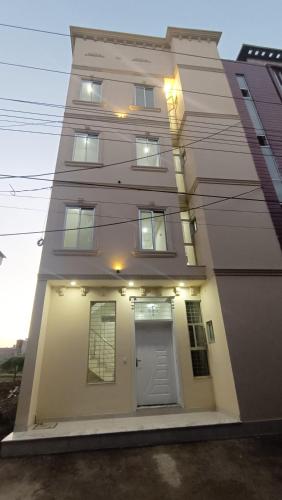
point(33, 359)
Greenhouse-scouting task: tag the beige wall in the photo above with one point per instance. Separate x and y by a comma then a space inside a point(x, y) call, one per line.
point(63, 391)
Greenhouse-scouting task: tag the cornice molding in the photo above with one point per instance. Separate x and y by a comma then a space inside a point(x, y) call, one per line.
point(143, 40)
point(116, 71)
point(210, 69)
point(225, 182)
point(120, 187)
point(135, 121)
point(248, 272)
point(218, 116)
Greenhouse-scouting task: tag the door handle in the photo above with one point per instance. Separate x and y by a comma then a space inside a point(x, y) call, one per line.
point(138, 361)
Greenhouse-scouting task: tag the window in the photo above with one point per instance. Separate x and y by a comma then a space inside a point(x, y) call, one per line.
point(79, 224)
point(90, 91)
point(153, 309)
point(198, 342)
point(278, 75)
point(86, 148)
point(144, 96)
point(147, 152)
point(102, 340)
point(152, 230)
point(210, 332)
point(266, 150)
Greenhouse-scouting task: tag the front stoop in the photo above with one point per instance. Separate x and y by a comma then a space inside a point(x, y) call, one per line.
point(125, 432)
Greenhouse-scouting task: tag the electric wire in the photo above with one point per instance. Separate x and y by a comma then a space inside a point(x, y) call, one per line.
point(24, 233)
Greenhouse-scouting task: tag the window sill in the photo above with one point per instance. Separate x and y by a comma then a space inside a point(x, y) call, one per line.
point(153, 253)
point(81, 102)
point(83, 164)
point(134, 107)
point(150, 169)
point(76, 252)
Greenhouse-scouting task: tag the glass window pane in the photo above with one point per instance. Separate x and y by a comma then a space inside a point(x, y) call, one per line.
point(200, 336)
point(72, 221)
point(146, 230)
point(140, 101)
point(191, 336)
point(190, 254)
point(86, 90)
point(96, 93)
point(149, 98)
point(200, 363)
point(85, 238)
point(254, 115)
point(141, 151)
point(193, 312)
point(152, 149)
point(152, 309)
point(79, 151)
point(92, 149)
point(101, 354)
point(159, 227)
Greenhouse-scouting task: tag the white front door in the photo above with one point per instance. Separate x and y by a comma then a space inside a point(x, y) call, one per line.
point(155, 367)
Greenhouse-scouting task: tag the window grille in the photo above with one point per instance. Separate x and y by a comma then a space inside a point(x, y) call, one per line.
point(153, 309)
point(198, 342)
point(102, 333)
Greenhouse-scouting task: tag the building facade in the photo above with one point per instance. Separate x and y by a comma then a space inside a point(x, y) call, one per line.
point(256, 83)
point(163, 284)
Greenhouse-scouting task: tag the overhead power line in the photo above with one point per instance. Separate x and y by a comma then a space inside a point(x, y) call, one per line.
point(129, 220)
point(156, 49)
point(126, 161)
point(115, 80)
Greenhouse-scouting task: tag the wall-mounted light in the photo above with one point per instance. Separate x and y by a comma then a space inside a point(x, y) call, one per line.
point(181, 284)
point(169, 88)
point(117, 267)
point(131, 283)
point(73, 283)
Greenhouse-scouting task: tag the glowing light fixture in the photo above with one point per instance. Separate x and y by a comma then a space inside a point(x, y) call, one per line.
point(73, 283)
point(131, 283)
point(117, 267)
point(181, 284)
point(146, 149)
point(169, 88)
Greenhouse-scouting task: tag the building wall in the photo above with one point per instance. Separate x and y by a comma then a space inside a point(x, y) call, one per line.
point(269, 106)
point(63, 389)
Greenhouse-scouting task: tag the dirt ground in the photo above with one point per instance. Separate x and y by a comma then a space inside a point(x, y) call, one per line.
point(246, 469)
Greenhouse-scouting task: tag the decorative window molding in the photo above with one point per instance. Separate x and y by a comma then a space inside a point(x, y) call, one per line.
point(86, 147)
point(147, 152)
point(79, 228)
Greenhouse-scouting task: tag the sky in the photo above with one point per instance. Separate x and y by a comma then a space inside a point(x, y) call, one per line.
point(24, 153)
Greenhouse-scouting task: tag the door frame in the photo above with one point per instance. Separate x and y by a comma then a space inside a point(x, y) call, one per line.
point(179, 398)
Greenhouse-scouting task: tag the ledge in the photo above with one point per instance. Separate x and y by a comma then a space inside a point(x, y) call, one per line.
point(150, 169)
point(248, 272)
point(82, 164)
point(80, 102)
point(134, 107)
point(152, 253)
point(72, 253)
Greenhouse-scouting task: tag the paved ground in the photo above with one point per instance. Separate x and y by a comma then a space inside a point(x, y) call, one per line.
point(247, 469)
